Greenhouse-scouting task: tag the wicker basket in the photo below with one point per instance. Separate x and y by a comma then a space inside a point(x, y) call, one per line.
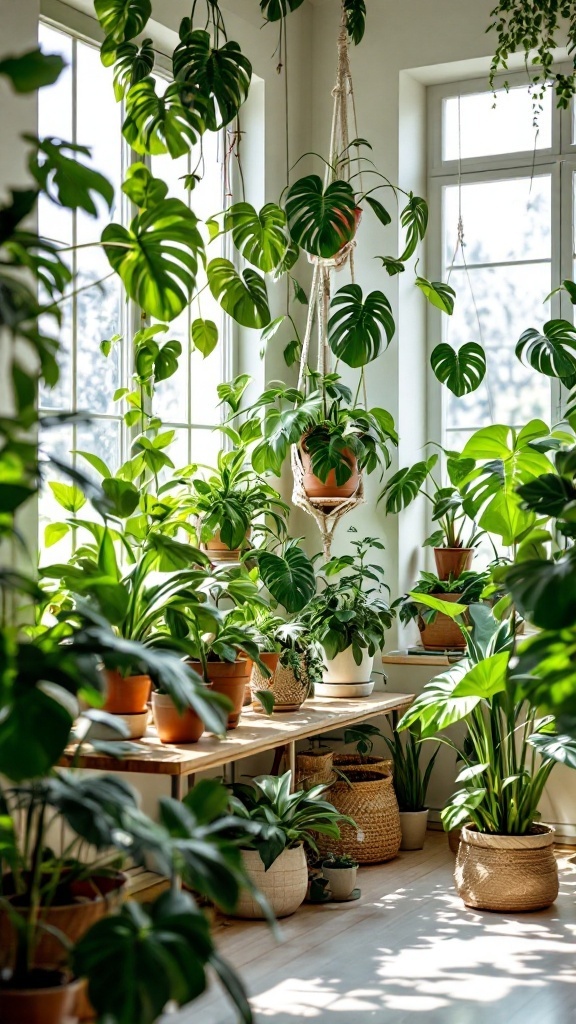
point(284, 884)
point(372, 763)
point(369, 799)
point(289, 692)
point(314, 768)
point(507, 873)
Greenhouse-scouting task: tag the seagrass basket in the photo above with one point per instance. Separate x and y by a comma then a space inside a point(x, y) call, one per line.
point(371, 763)
point(314, 768)
point(369, 798)
point(509, 874)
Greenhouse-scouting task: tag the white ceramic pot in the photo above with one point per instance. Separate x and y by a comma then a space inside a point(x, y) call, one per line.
point(343, 668)
point(136, 725)
point(413, 825)
point(284, 884)
point(343, 690)
point(342, 881)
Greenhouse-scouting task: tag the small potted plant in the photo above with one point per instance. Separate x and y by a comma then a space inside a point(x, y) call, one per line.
point(349, 620)
point(438, 631)
point(340, 872)
point(411, 786)
point(275, 859)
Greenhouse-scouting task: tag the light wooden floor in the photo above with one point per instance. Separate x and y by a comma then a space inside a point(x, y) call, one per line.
point(407, 947)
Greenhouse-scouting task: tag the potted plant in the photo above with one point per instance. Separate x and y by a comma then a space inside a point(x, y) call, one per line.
point(505, 859)
point(228, 503)
point(439, 632)
point(457, 536)
point(275, 858)
point(363, 736)
point(411, 786)
point(340, 872)
point(349, 620)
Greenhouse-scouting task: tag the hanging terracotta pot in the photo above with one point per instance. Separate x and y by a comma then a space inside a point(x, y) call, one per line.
point(452, 561)
point(230, 678)
point(126, 695)
point(173, 727)
point(315, 488)
point(443, 634)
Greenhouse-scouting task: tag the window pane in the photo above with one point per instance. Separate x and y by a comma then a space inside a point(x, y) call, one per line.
point(504, 220)
point(102, 437)
point(476, 126)
point(205, 446)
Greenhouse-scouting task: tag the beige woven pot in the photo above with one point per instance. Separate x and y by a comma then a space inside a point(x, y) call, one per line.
point(371, 801)
point(314, 768)
point(284, 884)
point(372, 763)
point(507, 873)
point(289, 692)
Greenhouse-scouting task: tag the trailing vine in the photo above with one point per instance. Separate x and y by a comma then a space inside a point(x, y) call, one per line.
point(533, 28)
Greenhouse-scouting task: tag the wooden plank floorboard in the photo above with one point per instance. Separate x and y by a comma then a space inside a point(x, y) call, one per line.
point(408, 947)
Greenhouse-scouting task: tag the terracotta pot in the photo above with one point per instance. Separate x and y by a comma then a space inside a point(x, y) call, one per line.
point(443, 634)
point(52, 1005)
point(230, 678)
point(284, 884)
point(93, 899)
point(509, 874)
point(220, 552)
point(413, 825)
point(315, 488)
point(126, 696)
point(258, 681)
point(173, 727)
point(452, 561)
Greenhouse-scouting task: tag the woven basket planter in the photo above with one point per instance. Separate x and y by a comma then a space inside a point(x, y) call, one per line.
point(314, 768)
point(371, 801)
point(284, 884)
point(371, 763)
point(289, 692)
point(509, 874)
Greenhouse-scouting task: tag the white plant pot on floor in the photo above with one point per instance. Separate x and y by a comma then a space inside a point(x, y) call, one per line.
point(342, 881)
point(342, 677)
point(413, 825)
point(284, 884)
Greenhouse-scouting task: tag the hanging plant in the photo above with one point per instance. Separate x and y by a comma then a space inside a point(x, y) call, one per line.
point(243, 297)
point(321, 220)
point(359, 329)
point(132, 64)
point(219, 76)
point(552, 352)
point(461, 371)
point(534, 26)
point(122, 19)
point(355, 18)
point(440, 295)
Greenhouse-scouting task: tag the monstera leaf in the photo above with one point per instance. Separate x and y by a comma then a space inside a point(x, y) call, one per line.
point(404, 486)
point(244, 297)
point(355, 16)
point(160, 124)
point(132, 64)
point(553, 352)
point(321, 221)
point(461, 371)
point(290, 578)
point(157, 257)
point(440, 295)
point(414, 218)
point(122, 19)
point(274, 10)
point(358, 329)
point(545, 591)
point(260, 237)
point(220, 75)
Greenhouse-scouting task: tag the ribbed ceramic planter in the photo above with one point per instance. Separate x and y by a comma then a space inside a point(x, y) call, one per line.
point(343, 669)
point(413, 825)
point(507, 873)
point(218, 552)
point(284, 884)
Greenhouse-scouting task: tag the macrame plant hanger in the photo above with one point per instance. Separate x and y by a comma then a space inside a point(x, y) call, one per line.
point(327, 512)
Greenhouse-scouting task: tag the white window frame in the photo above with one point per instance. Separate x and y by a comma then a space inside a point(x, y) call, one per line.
point(558, 160)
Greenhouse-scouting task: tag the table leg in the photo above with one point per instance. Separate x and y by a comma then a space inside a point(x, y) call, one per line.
point(177, 786)
point(191, 779)
point(291, 759)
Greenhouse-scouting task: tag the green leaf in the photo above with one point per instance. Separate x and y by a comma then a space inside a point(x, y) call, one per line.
point(32, 70)
point(359, 329)
point(290, 578)
point(414, 218)
point(204, 336)
point(555, 748)
point(462, 371)
point(68, 496)
point(440, 295)
point(437, 707)
point(547, 495)
point(122, 19)
point(132, 65)
point(321, 221)
point(161, 124)
point(485, 679)
point(35, 729)
point(14, 495)
point(545, 591)
point(380, 211)
point(95, 461)
point(122, 497)
point(450, 608)
point(355, 17)
point(260, 237)
point(157, 257)
point(54, 532)
point(244, 297)
point(553, 352)
point(166, 361)
point(391, 265)
point(68, 182)
point(220, 75)
point(273, 10)
point(405, 485)
point(142, 188)
point(266, 699)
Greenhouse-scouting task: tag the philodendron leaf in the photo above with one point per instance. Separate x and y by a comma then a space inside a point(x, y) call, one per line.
point(391, 265)
point(321, 221)
point(552, 352)
point(273, 10)
point(414, 218)
point(122, 19)
point(485, 679)
point(355, 17)
point(461, 371)
point(359, 329)
point(555, 748)
point(440, 295)
point(403, 487)
point(204, 336)
point(261, 237)
point(219, 75)
point(56, 167)
point(380, 211)
point(290, 578)
point(244, 297)
point(32, 70)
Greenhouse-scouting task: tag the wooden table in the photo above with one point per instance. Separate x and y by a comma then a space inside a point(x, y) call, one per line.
point(255, 734)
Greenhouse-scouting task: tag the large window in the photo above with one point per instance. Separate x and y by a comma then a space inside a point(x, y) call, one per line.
point(81, 108)
point(501, 190)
